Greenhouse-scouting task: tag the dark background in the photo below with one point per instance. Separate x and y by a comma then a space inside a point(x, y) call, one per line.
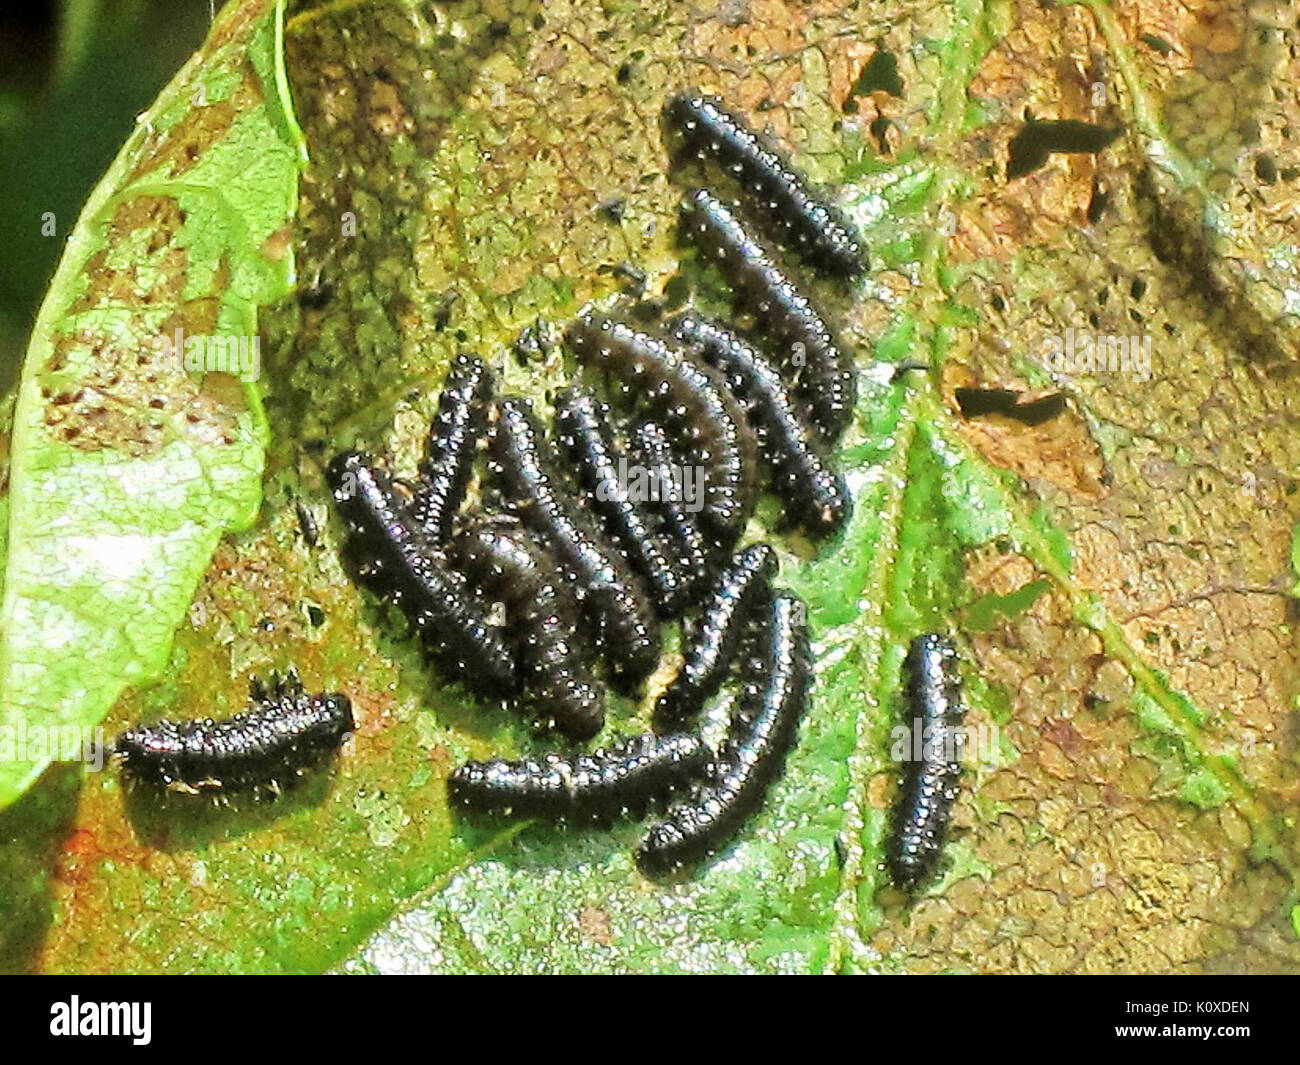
point(73, 76)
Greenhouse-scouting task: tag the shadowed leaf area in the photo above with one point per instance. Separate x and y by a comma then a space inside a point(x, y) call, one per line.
point(1116, 571)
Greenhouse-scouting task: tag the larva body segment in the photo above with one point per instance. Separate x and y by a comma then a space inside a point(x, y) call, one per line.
point(627, 779)
point(825, 375)
point(714, 640)
point(814, 496)
point(604, 472)
point(787, 205)
point(931, 783)
point(283, 732)
point(543, 617)
point(692, 398)
point(454, 435)
point(762, 731)
point(690, 549)
point(406, 565)
point(606, 585)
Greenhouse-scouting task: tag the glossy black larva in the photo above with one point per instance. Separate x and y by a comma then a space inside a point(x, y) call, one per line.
point(542, 617)
point(690, 396)
point(691, 556)
point(606, 475)
point(930, 781)
point(627, 779)
point(714, 639)
point(398, 560)
point(790, 208)
point(812, 494)
point(762, 731)
point(610, 591)
point(282, 733)
point(825, 376)
point(454, 435)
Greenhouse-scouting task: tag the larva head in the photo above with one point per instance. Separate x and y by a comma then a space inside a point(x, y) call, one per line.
point(347, 473)
point(337, 707)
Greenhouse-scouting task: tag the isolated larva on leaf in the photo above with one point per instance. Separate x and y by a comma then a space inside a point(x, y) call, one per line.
point(825, 376)
point(625, 780)
point(813, 495)
point(931, 782)
point(786, 203)
point(283, 732)
point(762, 731)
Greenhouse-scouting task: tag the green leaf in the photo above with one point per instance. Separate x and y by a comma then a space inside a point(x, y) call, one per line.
point(127, 466)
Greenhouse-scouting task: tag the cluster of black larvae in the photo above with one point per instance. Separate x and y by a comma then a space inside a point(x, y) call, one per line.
point(283, 732)
point(590, 539)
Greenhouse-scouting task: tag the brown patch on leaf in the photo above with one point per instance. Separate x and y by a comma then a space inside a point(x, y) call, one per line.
point(134, 396)
point(595, 924)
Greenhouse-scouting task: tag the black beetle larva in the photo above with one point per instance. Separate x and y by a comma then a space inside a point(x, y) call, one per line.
point(825, 375)
point(604, 472)
point(813, 495)
point(762, 731)
point(627, 779)
point(689, 394)
point(691, 553)
point(930, 782)
point(454, 435)
point(712, 642)
point(398, 560)
point(604, 579)
point(282, 733)
point(542, 618)
point(786, 202)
